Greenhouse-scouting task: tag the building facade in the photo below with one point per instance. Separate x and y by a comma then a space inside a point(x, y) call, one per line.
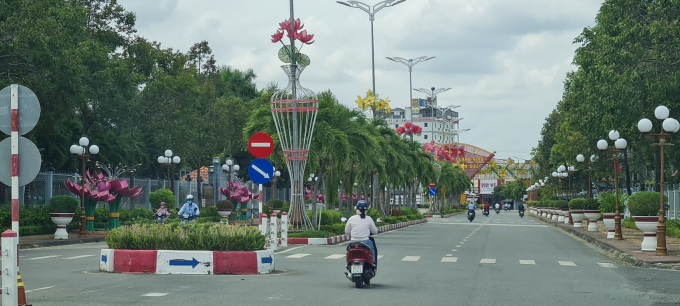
point(438, 124)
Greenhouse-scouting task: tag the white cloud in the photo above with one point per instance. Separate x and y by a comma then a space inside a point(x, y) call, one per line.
point(505, 60)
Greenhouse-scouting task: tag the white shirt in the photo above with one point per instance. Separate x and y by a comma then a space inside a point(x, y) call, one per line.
point(359, 229)
point(498, 206)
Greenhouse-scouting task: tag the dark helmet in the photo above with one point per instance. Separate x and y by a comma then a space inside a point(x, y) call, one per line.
point(362, 205)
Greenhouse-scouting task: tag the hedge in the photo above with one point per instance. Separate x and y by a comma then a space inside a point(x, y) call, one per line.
point(646, 203)
point(207, 237)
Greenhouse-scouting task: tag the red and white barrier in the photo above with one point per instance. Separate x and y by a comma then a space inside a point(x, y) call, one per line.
point(186, 262)
point(10, 239)
point(271, 227)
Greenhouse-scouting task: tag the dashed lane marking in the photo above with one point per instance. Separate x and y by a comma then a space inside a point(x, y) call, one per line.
point(487, 261)
point(449, 259)
point(43, 288)
point(567, 263)
point(43, 257)
point(335, 256)
point(454, 250)
point(460, 245)
point(449, 255)
point(526, 262)
point(156, 294)
point(77, 257)
point(606, 265)
point(411, 258)
point(380, 256)
point(299, 255)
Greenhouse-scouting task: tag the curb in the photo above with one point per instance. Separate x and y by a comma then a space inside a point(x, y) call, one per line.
point(57, 242)
point(611, 251)
point(186, 262)
point(443, 216)
point(343, 238)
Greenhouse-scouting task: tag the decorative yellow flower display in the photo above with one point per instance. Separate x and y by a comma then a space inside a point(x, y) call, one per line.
point(370, 102)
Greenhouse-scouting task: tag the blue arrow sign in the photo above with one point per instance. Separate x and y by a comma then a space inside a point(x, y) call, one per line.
point(183, 262)
point(268, 260)
point(433, 191)
point(260, 171)
point(104, 258)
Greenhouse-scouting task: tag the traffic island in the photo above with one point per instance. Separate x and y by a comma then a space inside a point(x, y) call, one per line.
point(201, 249)
point(343, 238)
point(626, 251)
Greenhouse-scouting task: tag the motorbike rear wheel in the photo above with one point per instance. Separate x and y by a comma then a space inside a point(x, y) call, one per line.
point(358, 282)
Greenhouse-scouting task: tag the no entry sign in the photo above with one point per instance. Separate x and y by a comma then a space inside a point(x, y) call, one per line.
point(432, 185)
point(261, 145)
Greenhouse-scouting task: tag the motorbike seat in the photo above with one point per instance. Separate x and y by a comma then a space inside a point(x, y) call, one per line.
point(357, 244)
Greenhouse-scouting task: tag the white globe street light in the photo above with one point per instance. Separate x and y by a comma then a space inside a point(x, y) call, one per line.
point(562, 168)
point(645, 125)
point(620, 144)
point(614, 135)
point(602, 144)
point(580, 158)
point(661, 112)
point(81, 150)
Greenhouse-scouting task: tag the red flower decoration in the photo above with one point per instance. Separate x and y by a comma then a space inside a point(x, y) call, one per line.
point(305, 38)
point(417, 129)
point(277, 37)
point(400, 130)
point(407, 125)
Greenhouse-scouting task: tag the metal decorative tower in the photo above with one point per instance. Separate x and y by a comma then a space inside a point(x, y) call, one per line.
point(294, 109)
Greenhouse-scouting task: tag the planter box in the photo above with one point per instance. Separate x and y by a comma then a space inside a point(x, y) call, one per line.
point(648, 225)
point(592, 216)
point(342, 238)
point(577, 216)
point(186, 262)
point(610, 224)
point(61, 220)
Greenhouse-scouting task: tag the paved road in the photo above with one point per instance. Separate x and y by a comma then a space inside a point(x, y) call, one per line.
point(497, 260)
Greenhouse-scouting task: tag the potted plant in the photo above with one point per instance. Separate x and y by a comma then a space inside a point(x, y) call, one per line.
point(591, 212)
point(224, 208)
point(576, 210)
point(276, 205)
point(562, 210)
point(608, 209)
point(551, 209)
point(644, 207)
point(62, 209)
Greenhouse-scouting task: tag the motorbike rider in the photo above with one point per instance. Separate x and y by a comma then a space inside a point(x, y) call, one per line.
point(497, 207)
point(471, 209)
point(360, 226)
point(189, 208)
point(520, 207)
point(162, 212)
point(486, 208)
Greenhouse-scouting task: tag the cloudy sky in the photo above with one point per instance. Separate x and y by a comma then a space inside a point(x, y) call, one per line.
point(505, 60)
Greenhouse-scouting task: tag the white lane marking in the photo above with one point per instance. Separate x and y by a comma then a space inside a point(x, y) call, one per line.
point(411, 258)
point(288, 250)
point(43, 257)
point(606, 265)
point(77, 257)
point(449, 259)
point(461, 242)
point(299, 255)
point(156, 294)
point(43, 288)
point(455, 250)
point(488, 261)
point(567, 263)
point(527, 262)
point(466, 239)
point(449, 255)
point(335, 256)
point(381, 256)
point(460, 245)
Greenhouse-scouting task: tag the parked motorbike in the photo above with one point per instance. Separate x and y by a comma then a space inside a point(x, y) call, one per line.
point(471, 215)
point(360, 264)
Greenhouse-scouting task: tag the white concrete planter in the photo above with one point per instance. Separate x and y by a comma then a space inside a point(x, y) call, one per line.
point(224, 214)
point(648, 225)
point(544, 212)
point(592, 216)
point(61, 220)
point(610, 224)
point(565, 212)
point(560, 216)
point(578, 217)
point(556, 214)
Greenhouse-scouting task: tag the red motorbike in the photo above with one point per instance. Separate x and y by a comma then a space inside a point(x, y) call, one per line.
point(360, 267)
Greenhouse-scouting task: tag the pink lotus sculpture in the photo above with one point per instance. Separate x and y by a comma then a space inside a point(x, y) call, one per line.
point(409, 129)
point(238, 193)
point(319, 197)
point(439, 152)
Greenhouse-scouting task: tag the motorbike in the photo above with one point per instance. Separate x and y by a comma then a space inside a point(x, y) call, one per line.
point(471, 215)
point(498, 210)
point(186, 217)
point(360, 263)
point(521, 213)
point(485, 212)
point(160, 217)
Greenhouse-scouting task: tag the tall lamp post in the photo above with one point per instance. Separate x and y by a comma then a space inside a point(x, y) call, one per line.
point(277, 174)
point(371, 10)
point(230, 168)
point(410, 63)
point(668, 127)
point(82, 150)
point(619, 144)
point(168, 161)
point(581, 159)
point(432, 94)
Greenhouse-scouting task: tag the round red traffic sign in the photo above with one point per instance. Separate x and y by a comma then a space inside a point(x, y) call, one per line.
point(432, 185)
point(261, 145)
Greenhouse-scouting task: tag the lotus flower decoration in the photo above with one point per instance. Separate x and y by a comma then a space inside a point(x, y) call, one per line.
point(319, 197)
point(240, 194)
point(286, 53)
point(409, 129)
point(370, 101)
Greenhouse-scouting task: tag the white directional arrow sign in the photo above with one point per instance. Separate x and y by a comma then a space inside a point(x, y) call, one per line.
point(260, 171)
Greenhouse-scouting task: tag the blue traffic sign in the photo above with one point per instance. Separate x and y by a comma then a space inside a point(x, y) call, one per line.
point(260, 171)
point(433, 191)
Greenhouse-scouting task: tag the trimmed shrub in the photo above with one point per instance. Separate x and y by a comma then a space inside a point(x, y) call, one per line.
point(224, 205)
point(646, 203)
point(331, 217)
point(591, 204)
point(408, 211)
point(402, 218)
point(335, 229)
point(162, 195)
point(207, 237)
point(629, 223)
point(577, 204)
point(375, 214)
point(562, 204)
point(276, 203)
point(425, 205)
point(63, 204)
point(308, 234)
point(391, 220)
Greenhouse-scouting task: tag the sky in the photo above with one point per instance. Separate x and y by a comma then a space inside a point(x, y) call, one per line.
point(504, 60)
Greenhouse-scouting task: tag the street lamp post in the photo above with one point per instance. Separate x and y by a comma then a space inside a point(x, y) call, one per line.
point(581, 159)
point(371, 10)
point(432, 94)
point(82, 150)
point(619, 144)
point(168, 161)
point(668, 127)
point(410, 63)
point(277, 174)
point(229, 167)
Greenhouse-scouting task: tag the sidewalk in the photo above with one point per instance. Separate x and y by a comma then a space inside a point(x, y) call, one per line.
point(626, 250)
point(41, 241)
